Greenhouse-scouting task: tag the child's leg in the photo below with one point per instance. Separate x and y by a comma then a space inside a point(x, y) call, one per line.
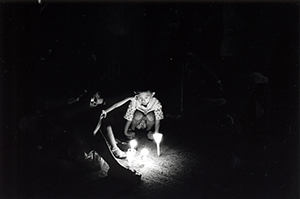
point(137, 118)
point(108, 133)
point(99, 143)
point(150, 120)
point(113, 144)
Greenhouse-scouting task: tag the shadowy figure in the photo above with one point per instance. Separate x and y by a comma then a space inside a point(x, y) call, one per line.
point(74, 130)
point(143, 112)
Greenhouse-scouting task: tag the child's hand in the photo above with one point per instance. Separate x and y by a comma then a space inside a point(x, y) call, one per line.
point(103, 114)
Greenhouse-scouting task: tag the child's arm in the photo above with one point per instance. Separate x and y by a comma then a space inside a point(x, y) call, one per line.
point(127, 125)
point(159, 115)
point(157, 125)
point(98, 125)
point(116, 105)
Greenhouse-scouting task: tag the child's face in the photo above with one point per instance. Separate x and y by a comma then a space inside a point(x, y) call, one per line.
point(144, 97)
point(96, 100)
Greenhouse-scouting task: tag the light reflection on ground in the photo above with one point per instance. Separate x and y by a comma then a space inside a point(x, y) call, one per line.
point(173, 162)
point(176, 167)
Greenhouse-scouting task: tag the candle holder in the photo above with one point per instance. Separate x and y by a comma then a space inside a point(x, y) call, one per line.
point(157, 138)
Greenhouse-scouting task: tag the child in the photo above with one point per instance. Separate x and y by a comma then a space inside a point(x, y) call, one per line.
point(73, 131)
point(144, 112)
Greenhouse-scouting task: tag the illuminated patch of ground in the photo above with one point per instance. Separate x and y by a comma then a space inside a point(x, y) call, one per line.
point(170, 174)
point(172, 162)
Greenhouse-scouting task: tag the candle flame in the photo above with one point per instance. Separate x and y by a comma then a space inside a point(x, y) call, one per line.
point(144, 152)
point(133, 144)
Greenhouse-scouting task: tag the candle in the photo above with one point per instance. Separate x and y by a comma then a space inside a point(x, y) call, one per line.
point(130, 155)
point(157, 138)
point(133, 144)
point(131, 151)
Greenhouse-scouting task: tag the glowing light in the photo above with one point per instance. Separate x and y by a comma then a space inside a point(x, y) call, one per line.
point(157, 138)
point(133, 144)
point(130, 155)
point(144, 153)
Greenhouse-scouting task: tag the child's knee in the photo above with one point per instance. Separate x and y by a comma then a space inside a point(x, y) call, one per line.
point(150, 117)
point(137, 116)
point(149, 125)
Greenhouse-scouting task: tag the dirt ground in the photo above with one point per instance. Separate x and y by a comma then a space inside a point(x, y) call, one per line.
point(188, 167)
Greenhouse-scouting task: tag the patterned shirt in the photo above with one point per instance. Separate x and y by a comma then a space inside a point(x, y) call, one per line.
point(153, 105)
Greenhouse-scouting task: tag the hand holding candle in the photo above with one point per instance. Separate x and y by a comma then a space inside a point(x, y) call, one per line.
point(157, 138)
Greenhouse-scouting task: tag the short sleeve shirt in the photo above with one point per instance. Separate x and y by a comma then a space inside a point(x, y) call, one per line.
point(153, 105)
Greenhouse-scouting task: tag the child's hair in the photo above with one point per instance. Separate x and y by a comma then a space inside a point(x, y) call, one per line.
point(148, 91)
point(139, 91)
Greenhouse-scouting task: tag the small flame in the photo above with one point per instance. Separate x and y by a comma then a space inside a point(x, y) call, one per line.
point(144, 152)
point(133, 144)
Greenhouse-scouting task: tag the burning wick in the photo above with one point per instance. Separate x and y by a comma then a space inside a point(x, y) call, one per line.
point(157, 138)
point(144, 153)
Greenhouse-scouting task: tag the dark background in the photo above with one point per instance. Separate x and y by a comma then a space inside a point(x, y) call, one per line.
point(190, 54)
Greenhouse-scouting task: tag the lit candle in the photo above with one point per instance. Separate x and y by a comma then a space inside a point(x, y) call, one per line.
point(130, 155)
point(131, 151)
point(133, 144)
point(157, 138)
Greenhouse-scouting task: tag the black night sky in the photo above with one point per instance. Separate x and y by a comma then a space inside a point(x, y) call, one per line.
point(193, 55)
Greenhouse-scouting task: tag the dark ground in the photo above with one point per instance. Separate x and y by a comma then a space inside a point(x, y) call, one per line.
point(225, 135)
